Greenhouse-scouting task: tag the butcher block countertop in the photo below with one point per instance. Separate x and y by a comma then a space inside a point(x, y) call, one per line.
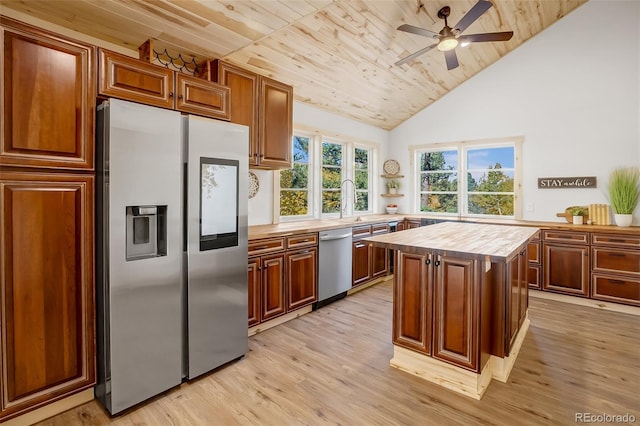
point(302, 226)
point(476, 240)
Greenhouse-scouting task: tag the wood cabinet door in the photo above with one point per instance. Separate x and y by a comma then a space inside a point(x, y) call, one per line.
point(46, 287)
point(566, 269)
point(202, 97)
point(412, 318)
point(456, 300)
point(533, 275)
point(272, 281)
point(361, 263)
point(244, 100)
point(275, 125)
point(379, 262)
point(49, 93)
point(253, 280)
point(513, 302)
point(523, 264)
point(135, 80)
point(302, 273)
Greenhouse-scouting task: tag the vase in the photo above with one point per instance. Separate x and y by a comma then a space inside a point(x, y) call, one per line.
point(578, 220)
point(623, 219)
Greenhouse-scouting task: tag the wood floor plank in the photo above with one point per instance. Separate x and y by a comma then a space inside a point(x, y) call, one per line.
point(331, 367)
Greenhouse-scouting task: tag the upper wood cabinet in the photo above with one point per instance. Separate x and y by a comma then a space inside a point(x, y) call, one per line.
point(49, 99)
point(266, 107)
point(139, 81)
point(46, 288)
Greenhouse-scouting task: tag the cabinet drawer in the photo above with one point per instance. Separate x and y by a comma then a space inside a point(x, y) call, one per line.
point(534, 252)
point(613, 240)
point(379, 228)
point(266, 246)
point(302, 240)
point(131, 79)
point(567, 237)
point(616, 289)
point(361, 231)
point(616, 260)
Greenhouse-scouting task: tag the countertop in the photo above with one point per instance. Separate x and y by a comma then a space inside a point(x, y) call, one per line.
point(316, 225)
point(498, 242)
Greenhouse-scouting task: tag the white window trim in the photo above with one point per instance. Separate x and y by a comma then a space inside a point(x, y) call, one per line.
point(463, 146)
point(315, 177)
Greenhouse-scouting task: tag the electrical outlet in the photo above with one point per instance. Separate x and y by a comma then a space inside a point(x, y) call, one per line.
point(529, 207)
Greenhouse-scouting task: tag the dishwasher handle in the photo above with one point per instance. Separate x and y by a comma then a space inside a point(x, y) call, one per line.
point(335, 237)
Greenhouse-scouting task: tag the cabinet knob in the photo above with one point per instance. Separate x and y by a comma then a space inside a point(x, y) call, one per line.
point(436, 263)
point(179, 96)
point(427, 262)
point(261, 156)
point(171, 94)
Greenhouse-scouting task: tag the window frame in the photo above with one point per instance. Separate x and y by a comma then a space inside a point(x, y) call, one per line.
point(311, 181)
point(314, 183)
point(462, 149)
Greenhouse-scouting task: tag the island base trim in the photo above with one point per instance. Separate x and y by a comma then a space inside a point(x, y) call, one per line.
point(501, 367)
point(455, 378)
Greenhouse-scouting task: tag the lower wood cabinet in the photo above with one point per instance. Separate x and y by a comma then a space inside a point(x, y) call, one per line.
point(615, 268)
point(302, 274)
point(456, 308)
point(566, 269)
point(412, 304)
point(517, 297)
point(369, 262)
point(282, 275)
point(47, 334)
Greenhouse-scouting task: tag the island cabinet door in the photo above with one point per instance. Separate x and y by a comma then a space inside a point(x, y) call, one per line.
point(456, 300)
point(517, 296)
point(412, 302)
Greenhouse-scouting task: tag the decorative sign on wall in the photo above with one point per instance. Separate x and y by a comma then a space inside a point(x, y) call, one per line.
point(567, 182)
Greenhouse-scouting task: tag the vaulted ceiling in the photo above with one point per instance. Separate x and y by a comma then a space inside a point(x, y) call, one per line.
point(338, 55)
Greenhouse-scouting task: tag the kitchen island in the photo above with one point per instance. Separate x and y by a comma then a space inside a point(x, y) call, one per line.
point(460, 299)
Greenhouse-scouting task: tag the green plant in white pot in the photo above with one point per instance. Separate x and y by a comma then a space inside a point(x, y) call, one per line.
point(624, 192)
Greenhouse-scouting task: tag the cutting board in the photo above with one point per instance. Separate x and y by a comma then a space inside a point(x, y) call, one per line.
point(567, 214)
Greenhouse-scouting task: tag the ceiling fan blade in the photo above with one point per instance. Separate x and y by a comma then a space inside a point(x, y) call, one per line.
point(451, 58)
point(415, 55)
point(475, 38)
point(474, 13)
point(417, 30)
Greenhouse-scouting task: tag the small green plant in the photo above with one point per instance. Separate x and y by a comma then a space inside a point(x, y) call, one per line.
point(579, 211)
point(624, 189)
point(393, 184)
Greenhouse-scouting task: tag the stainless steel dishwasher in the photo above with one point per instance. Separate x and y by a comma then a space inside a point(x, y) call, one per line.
point(334, 265)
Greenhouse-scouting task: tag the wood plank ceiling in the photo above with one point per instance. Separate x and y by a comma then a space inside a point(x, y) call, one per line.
point(338, 54)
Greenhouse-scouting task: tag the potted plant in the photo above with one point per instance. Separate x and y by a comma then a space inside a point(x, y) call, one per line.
point(624, 192)
point(578, 214)
point(393, 186)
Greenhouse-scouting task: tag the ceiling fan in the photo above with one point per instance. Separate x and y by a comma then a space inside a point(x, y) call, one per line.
point(448, 38)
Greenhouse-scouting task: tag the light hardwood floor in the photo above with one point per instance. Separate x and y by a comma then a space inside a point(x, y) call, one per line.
point(332, 367)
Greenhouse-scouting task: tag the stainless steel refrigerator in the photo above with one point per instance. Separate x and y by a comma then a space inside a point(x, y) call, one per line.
point(171, 249)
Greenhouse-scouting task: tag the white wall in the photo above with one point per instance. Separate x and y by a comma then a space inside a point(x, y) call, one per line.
point(570, 91)
point(314, 119)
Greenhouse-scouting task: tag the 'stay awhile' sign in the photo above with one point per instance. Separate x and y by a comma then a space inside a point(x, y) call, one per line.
point(567, 182)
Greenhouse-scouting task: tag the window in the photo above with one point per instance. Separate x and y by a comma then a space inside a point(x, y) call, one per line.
point(331, 177)
point(362, 178)
point(294, 182)
point(312, 188)
point(490, 185)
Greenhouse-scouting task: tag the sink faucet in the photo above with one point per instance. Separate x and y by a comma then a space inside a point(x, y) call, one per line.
point(341, 195)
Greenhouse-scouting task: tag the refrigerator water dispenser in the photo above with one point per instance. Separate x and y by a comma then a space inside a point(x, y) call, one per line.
point(146, 232)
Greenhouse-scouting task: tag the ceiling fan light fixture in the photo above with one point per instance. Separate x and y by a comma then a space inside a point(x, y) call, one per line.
point(447, 44)
point(465, 43)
